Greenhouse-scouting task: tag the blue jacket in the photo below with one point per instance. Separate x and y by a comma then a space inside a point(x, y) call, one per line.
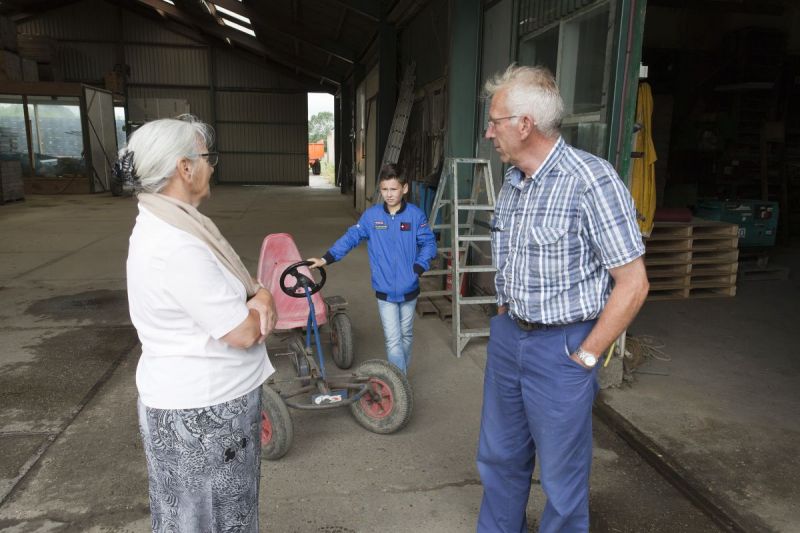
point(400, 246)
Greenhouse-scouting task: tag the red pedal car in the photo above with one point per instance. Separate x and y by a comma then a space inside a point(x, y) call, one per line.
point(377, 392)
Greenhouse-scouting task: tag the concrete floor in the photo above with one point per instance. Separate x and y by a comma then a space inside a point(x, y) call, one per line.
point(71, 460)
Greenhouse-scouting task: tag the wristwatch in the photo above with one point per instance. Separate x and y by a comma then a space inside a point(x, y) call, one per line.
point(587, 358)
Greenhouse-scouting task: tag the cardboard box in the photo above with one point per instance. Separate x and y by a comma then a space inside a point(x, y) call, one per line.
point(30, 70)
point(115, 82)
point(40, 48)
point(50, 72)
point(8, 34)
point(12, 186)
point(10, 66)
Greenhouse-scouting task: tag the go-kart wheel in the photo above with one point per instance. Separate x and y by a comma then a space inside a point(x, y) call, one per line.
point(386, 406)
point(277, 431)
point(342, 340)
point(301, 280)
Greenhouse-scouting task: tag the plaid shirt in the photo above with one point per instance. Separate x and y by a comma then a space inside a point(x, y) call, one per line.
point(556, 235)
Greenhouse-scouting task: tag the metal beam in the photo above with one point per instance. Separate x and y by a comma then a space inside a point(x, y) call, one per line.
point(366, 8)
point(234, 36)
point(289, 29)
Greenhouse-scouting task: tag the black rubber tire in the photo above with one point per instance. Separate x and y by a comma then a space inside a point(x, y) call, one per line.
point(384, 374)
point(342, 340)
point(316, 168)
point(281, 434)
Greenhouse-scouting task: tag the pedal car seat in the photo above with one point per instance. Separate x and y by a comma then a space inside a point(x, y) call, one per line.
point(278, 251)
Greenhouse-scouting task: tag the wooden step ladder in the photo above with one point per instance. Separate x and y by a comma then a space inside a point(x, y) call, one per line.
point(402, 112)
point(463, 237)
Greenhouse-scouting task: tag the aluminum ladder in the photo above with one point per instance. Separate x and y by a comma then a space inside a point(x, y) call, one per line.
point(463, 237)
point(402, 112)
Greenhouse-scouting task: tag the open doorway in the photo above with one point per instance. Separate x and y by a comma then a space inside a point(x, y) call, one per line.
point(321, 141)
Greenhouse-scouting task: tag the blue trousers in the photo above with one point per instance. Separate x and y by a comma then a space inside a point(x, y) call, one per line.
point(397, 319)
point(536, 401)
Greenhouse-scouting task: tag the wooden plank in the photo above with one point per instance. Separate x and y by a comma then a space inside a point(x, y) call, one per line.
point(668, 294)
point(425, 307)
point(712, 292)
point(714, 258)
point(669, 230)
point(699, 282)
point(715, 270)
point(715, 243)
point(667, 258)
point(669, 283)
point(671, 245)
point(444, 307)
point(667, 271)
point(713, 229)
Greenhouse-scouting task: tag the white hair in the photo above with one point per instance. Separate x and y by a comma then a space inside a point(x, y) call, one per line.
point(159, 145)
point(530, 91)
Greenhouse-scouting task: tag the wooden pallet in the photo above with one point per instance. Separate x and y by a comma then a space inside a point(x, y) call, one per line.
point(692, 260)
point(425, 307)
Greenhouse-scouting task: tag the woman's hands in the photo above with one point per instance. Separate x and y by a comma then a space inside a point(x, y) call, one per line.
point(264, 304)
point(316, 262)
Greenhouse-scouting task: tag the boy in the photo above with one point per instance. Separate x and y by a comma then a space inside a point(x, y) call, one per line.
point(401, 246)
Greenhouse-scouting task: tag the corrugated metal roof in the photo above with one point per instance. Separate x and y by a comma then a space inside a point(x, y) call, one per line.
point(141, 30)
point(86, 61)
point(231, 70)
point(199, 99)
point(285, 138)
point(262, 107)
point(263, 169)
point(70, 22)
point(167, 66)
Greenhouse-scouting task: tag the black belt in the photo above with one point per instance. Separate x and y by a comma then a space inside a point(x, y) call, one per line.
point(524, 325)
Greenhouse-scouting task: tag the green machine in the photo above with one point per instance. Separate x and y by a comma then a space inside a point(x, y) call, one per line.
point(757, 219)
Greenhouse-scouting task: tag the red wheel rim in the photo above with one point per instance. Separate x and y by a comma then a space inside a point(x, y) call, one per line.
point(378, 409)
point(266, 429)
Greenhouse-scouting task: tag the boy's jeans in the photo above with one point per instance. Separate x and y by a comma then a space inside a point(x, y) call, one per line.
point(398, 325)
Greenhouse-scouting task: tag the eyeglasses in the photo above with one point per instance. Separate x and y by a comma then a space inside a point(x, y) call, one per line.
point(493, 122)
point(211, 157)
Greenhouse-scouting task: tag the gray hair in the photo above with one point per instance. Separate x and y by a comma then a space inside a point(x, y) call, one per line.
point(159, 145)
point(530, 91)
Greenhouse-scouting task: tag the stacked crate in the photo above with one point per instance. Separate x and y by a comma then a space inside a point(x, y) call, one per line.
point(11, 185)
point(10, 65)
point(692, 260)
point(43, 51)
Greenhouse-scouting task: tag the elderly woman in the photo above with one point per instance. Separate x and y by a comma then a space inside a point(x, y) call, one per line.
point(202, 322)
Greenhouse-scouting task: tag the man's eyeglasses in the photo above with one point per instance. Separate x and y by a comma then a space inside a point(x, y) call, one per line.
point(493, 122)
point(211, 157)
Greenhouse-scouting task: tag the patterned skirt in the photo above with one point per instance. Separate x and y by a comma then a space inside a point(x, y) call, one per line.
point(204, 465)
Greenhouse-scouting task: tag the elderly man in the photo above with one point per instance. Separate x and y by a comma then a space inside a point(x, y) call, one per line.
point(570, 278)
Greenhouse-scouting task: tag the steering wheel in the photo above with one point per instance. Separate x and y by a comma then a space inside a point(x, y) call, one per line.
point(302, 281)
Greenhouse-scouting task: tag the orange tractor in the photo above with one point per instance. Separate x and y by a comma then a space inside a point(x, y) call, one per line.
point(315, 152)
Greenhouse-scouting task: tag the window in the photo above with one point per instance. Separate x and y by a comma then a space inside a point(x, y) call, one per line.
point(56, 136)
point(541, 50)
point(576, 50)
point(13, 142)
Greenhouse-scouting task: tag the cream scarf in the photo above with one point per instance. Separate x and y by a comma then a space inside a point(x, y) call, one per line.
point(187, 218)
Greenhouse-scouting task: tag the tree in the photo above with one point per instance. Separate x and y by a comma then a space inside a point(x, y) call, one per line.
point(319, 126)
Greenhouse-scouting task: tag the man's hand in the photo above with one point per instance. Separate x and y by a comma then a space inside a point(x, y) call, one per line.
point(316, 262)
point(263, 302)
point(502, 309)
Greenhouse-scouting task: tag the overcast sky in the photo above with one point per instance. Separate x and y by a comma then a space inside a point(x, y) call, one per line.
point(319, 102)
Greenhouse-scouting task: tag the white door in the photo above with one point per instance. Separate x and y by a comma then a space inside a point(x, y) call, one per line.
point(101, 133)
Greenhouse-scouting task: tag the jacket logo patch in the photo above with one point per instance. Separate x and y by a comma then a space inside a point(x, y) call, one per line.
point(380, 224)
point(405, 226)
